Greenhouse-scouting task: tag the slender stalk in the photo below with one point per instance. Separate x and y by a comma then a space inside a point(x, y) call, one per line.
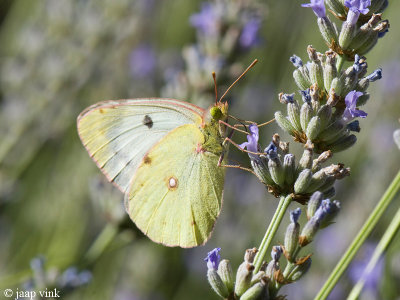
point(271, 230)
point(104, 239)
point(382, 246)
point(360, 238)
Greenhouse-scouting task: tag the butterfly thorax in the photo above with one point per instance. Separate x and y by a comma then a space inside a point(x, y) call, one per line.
point(213, 130)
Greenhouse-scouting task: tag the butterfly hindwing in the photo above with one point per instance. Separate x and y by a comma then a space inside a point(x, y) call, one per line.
point(117, 134)
point(176, 193)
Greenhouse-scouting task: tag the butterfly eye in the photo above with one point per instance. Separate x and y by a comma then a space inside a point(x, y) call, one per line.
point(216, 113)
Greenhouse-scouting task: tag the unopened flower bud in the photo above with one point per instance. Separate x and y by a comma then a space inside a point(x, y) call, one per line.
point(313, 128)
point(293, 111)
point(317, 180)
point(289, 167)
point(325, 114)
point(292, 233)
point(306, 113)
point(243, 278)
point(337, 85)
point(330, 71)
point(216, 283)
point(332, 131)
point(315, 68)
point(347, 34)
point(276, 170)
point(327, 30)
point(284, 123)
point(313, 204)
point(226, 274)
point(300, 269)
point(396, 137)
point(302, 182)
point(301, 78)
point(307, 157)
point(257, 291)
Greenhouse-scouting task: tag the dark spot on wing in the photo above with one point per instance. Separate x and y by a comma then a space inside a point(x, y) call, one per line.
point(193, 223)
point(147, 160)
point(101, 111)
point(147, 121)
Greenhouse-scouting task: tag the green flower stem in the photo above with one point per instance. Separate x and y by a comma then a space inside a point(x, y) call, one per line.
point(360, 238)
point(104, 239)
point(272, 228)
point(382, 246)
point(339, 62)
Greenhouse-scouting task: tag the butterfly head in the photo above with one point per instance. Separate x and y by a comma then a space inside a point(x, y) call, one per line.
point(219, 111)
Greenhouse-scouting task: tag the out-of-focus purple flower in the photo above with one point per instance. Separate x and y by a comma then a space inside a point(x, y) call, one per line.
point(318, 6)
point(72, 278)
point(357, 269)
point(356, 7)
point(296, 61)
point(351, 111)
point(295, 214)
point(249, 36)
point(213, 259)
point(207, 20)
point(142, 61)
point(252, 141)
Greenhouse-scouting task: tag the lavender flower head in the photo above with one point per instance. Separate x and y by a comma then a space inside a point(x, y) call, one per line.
point(252, 141)
point(351, 111)
point(142, 61)
point(318, 6)
point(249, 36)
point(213, 259)
point(207, 20)
point(356, 7)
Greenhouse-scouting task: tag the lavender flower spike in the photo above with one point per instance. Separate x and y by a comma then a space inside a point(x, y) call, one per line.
point(213, 259)
point(206, 21)
point(318, 6)
point(351, 111)
point(356, 7)
point(249, 36)
point(252, 141)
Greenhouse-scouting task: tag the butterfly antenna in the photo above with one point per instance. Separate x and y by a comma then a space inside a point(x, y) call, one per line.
point(266, 123)
point(245, 71)
point(215, 87)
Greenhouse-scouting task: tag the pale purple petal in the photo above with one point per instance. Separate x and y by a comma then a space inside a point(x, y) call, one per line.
point(318, 6)
point(249, 36)
point(213, 259)
point(351, 110)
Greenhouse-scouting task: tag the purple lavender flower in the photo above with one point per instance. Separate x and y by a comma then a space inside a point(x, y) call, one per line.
point(305, 95)
point(318, 6)
point(356, 7)
point(296, 61)
point(249, 36)
point(207, 20)
point(351, 111)
point(295, 214)
point(252, 141)
point(276, 252)
point(271, 151)
point(142, 61)
point(376, 75)
point(213, 259)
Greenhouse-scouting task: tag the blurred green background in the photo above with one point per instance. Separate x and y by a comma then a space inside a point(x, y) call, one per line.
point(58, 57)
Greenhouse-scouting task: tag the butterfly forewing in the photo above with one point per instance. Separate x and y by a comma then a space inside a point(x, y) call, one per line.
point(118, 134)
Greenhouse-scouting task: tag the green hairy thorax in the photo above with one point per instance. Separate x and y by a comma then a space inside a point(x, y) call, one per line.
point(213, 130)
